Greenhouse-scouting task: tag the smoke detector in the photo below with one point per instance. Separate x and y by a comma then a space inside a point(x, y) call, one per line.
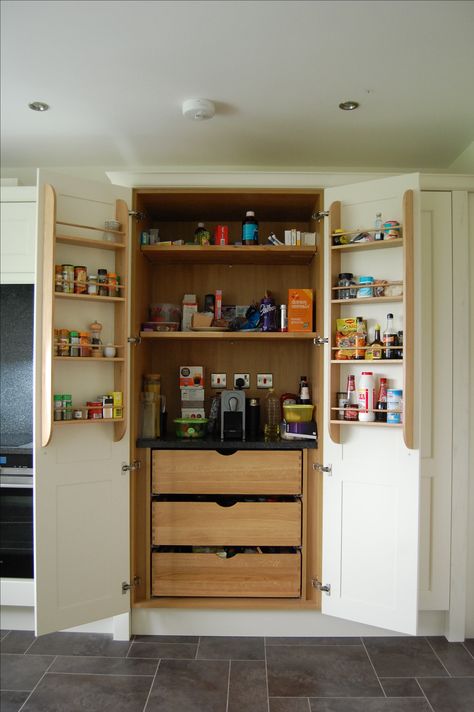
point(198, 109)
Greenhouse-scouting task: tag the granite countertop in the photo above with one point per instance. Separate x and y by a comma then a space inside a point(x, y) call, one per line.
point(174, 443)
point(16, 450)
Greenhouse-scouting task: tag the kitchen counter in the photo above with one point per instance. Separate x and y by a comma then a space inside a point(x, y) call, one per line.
point(174, 443)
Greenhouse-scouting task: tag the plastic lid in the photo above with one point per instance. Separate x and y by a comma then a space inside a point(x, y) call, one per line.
point(250, 213)
point(366, 279)
point(200, 224)
point(345, 275)
point(367, 373)
point(389, 316)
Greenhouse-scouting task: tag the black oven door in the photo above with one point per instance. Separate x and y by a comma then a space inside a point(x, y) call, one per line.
point(16, 530)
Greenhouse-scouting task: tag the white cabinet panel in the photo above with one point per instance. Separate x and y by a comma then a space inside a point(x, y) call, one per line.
point(18, 236)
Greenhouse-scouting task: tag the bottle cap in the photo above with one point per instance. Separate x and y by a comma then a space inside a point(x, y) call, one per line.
point(250, 213)
point(389, 316)
point(200, 224)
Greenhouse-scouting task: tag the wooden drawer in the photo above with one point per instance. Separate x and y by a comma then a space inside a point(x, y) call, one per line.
point(243, 575)
point(243, 524)
point(242, 472)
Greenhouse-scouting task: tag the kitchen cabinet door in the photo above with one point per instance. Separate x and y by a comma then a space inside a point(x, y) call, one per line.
point(82, 547)
point(18, 230)
point(371, 499)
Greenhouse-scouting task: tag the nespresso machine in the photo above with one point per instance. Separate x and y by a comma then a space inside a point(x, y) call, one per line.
point(233, 415)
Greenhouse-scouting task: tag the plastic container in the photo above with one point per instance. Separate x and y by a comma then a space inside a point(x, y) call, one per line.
point(164, 312)
point(272, 417)
point(346, 279)
point(365, 291)
point(191, 427)
point(298, 413)
point(394, 402)
point(366, 397)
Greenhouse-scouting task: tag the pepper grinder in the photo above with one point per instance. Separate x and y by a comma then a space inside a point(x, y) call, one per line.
point(96, 329)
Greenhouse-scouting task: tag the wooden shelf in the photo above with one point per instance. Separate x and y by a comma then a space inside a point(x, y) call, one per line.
point(370, 424)
point(89, 359)
point(88, 297)
point(366, 300)
point(367, 362)
point(86, 421)
point(360, 246)
point(85, 242)
point(229, 254)
point(228, 335)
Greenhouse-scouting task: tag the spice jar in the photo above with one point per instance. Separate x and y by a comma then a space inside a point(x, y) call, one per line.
point(365, 291)
point(112, 282)
point(63, 342)
point(67, 407)
point(80, 279)
point(92, 284)
point(74, 339)
point(58, 278)
point(346, 279)
point(103, 290)
point(58, 406)
point(84, 340)
point(96, 343)
point(68, 279)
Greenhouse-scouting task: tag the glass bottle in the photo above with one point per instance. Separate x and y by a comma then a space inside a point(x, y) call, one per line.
point(272, 417)
point(250, 229)
point(381, 415)
point(351, 409)
point(374, 352)
point(390, 339)
point(361, 340)
point(378, 227)
point(303, 394)
point(201, 235)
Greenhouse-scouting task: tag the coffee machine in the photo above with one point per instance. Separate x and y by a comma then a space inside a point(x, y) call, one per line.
point(232, 415)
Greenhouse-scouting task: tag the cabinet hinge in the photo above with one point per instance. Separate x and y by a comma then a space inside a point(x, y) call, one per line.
point(135, 465)
point(326, 588)
point(322, 468)
point(128, 586)
point(320, 215)
point(134, 340)
point(138, 214)
point(320, 340)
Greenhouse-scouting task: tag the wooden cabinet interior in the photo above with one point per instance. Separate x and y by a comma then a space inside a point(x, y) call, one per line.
point(161, 274)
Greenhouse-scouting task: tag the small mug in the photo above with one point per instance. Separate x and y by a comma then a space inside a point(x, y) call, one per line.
point(109, 351)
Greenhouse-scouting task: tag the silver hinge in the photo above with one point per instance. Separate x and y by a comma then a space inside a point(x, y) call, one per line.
point(135, 465)
point(320, 340)
point(138, 214)
point(128, 586)
point(326, 588)
point(134, 340)
point(322, 468)
point(320, 215)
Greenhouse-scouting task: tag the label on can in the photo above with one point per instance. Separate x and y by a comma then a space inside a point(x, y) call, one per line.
point(221, 235)
point(80, 279)
point(394, 403)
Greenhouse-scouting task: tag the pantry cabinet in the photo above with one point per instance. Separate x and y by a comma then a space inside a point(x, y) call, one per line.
point(18, 231)
point(340, 517)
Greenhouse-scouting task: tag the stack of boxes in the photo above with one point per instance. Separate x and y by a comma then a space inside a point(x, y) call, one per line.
point(191, 383)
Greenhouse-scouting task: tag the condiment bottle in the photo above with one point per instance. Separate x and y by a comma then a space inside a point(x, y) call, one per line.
point(350, 412)
point(378, 227)
point(201, 235)
point(381, 415)
point(390, 339)
point(366, 397)
point(374, 352)
point(360, 339)
point(250, 229)
point(303, 396)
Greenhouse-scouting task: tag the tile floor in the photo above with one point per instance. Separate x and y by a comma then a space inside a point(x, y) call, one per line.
point(81, 672)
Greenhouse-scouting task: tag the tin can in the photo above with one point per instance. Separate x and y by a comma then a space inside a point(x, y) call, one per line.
point(68, 279)
point(94, 410)
point(80, 279)
point(394, 402)
point(221, 235)
point(283, 318)
point(77, 414)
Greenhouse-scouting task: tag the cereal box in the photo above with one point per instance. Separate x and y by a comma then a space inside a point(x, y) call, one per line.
point(300, 310)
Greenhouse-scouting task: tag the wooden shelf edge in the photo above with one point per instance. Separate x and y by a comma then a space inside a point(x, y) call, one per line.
point(365, 300)
point(90, 359)
point(229, 335)
point(88, 297)
point(362, 423)
point(368, 362)
point(85, 242)
point(397, 242)
point(87, 421)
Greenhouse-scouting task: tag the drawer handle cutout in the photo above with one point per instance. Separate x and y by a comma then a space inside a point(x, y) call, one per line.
point(225, 453)
point(226, 501)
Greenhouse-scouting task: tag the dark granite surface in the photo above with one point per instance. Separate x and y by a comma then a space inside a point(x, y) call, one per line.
point(174, 443)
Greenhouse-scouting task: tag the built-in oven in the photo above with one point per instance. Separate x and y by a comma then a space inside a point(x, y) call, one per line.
point(16, 515)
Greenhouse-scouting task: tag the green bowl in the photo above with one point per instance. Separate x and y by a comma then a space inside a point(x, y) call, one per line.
point(191, 427)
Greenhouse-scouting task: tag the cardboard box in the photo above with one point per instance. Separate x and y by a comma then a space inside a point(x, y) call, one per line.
point(193, 413)
point(190, 308)
point(191, 377)
point(300, 310)
point(192, 394)
point(218, 304)
point(201, 319)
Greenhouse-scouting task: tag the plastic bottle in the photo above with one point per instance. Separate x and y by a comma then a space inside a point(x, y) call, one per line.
point(250, 229)
point(350, 411)
point(272, 417)
point(201, 235)
point(378, 227)
point(366, 397)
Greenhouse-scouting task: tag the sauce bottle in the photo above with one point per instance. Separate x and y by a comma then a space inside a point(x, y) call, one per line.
point(390, 339)
point(360, 339)
point(250, 229)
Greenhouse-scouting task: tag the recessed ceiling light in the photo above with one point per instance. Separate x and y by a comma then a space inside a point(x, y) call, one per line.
point(198, 109)
point(349, 105)
point(38, 106)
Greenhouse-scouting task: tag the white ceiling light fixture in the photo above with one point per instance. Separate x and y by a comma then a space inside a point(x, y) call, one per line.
point(349, 105)
point(38, 106)
point(198, 109)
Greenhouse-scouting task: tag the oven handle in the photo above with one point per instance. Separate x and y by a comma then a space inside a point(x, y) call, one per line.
point(16, 482)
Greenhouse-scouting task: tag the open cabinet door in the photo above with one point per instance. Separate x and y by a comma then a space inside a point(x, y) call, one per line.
point(371, 499)
point(81, 494)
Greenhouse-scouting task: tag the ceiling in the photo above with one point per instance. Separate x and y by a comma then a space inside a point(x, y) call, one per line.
point(116, 73)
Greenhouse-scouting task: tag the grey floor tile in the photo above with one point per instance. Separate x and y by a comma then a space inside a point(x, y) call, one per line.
point(469, 643)
point(104, 666)
point(320, 671)
point(403, 657)
point(79, 644)
point(91, 693)
point(370, 705)
point(11, 701)
point(450, 694)
point(313, 641)
point(231, 648)
point(166, 639)
point(190, 686)
point(401, 687)
point(248, 686)
point(17, 641)
point(454, 657)
point(22, 672)
point(180, 651)
point(289, 704)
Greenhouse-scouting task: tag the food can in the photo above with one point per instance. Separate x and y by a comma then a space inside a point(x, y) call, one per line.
point(221, 235)
point(394, 403)
point(58, 278)
point(94, 410)
point(80, 279)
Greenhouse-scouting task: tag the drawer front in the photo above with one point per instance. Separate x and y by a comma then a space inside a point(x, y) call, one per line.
point(242, 472)
point(243, 524)
point(243, 575)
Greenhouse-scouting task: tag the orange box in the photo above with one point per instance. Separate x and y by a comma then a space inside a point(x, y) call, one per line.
point(300, 310)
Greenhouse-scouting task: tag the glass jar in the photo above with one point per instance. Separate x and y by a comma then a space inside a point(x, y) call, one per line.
point(346, 279)
point(92, 284)
point(84, 341)
point(103, 289)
